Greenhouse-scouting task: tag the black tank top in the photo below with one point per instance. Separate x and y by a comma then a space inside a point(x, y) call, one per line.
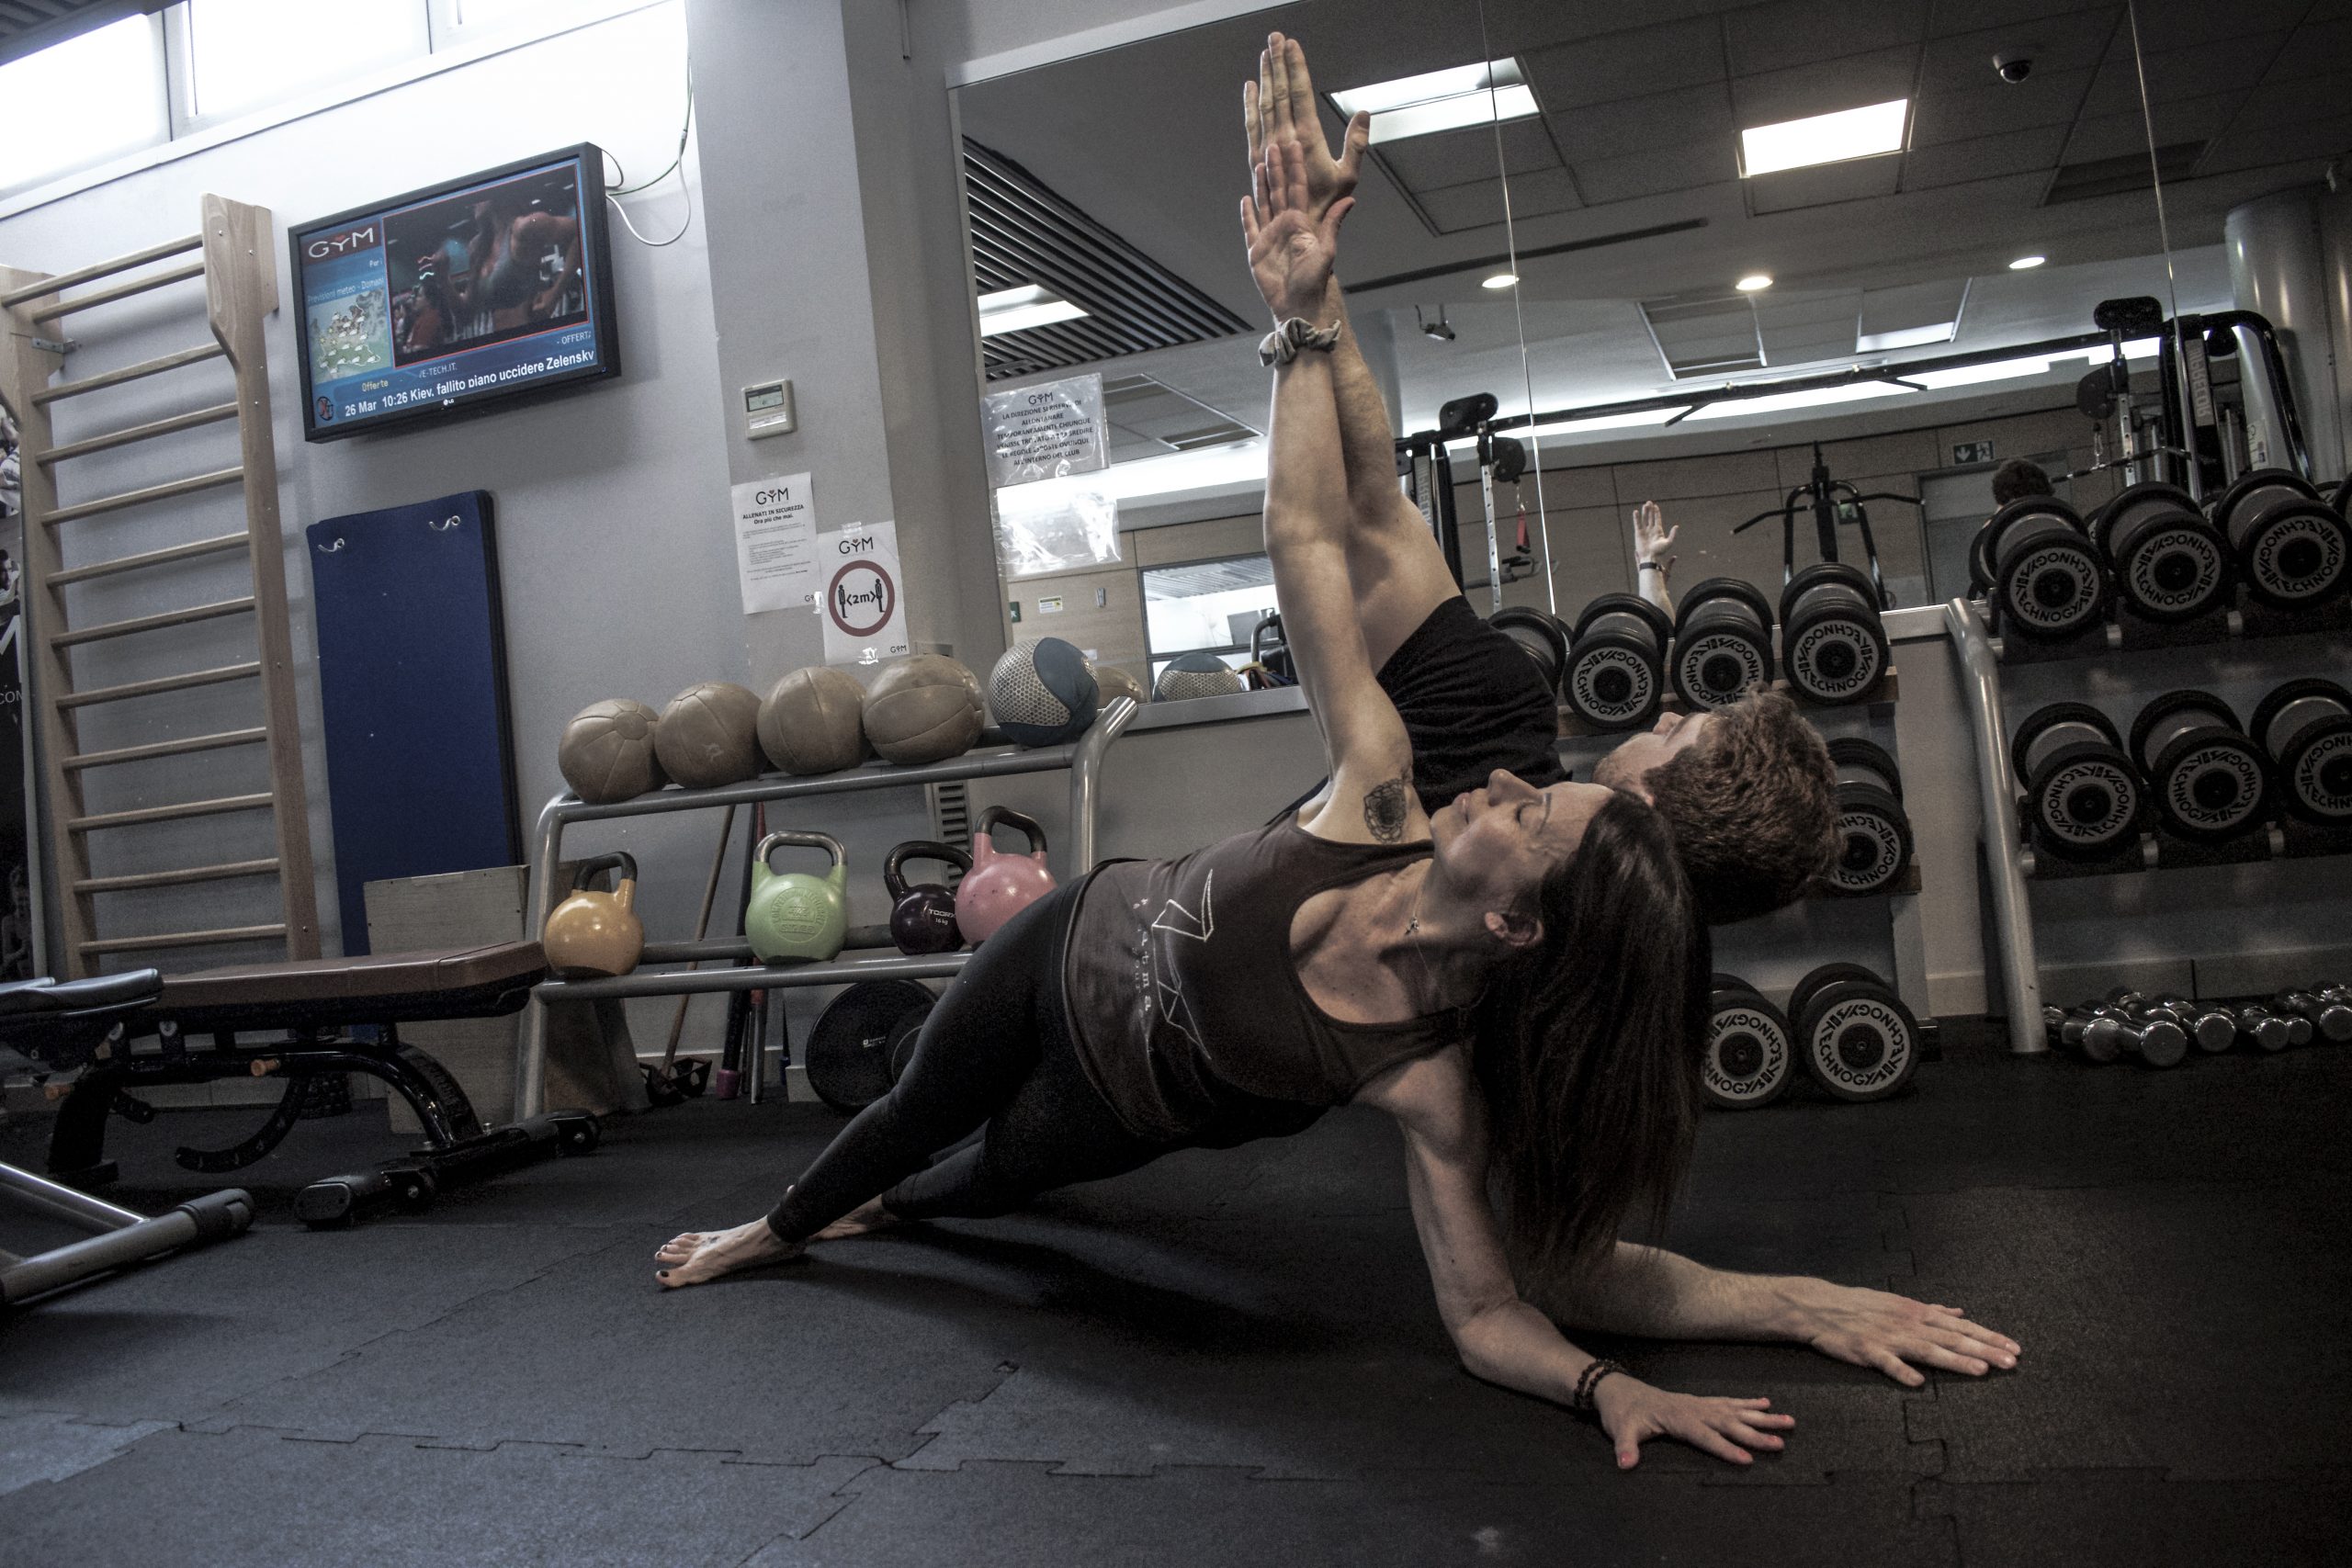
point(1190, 1015)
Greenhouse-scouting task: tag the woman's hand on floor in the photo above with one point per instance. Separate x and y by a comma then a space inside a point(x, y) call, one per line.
point(1632, 1412)
point(1893, 1334)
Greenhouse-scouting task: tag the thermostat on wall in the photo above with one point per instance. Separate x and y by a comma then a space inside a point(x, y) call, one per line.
point(767, 409)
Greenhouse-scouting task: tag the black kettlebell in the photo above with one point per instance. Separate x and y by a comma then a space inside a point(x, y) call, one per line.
point(922, 916)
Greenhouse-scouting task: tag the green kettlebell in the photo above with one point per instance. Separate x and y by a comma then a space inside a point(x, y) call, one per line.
point(797, 914)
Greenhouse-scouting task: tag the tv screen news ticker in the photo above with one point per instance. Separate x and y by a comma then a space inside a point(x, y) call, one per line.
point(492, 288)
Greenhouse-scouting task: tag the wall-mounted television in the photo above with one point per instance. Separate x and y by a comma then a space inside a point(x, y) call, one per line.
point(485, 290)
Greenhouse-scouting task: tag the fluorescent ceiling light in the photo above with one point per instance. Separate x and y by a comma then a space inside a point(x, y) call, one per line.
point(1500, 280)
point(1581, 426)
point(2023, 262)
point(1440, 100)
point(1905, 337)
point(1753, 282)
point(1970, 375)
point(1811, 397)
point(1011, 310)
point(1824, 138)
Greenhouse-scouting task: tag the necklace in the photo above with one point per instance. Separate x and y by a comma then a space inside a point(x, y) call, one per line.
point(1413, 930)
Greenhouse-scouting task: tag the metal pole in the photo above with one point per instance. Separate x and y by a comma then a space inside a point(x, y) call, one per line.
point(1980, 690)
point(1085, 780)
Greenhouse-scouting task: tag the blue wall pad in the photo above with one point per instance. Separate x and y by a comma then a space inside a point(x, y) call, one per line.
point(413, 679)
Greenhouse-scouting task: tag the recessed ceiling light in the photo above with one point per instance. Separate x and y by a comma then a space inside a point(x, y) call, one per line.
point(2022, 263)
point(1014, 310)
point(1754, 281)
point(1824, 138)
point(1810, 397)
point(1440, 100)
point(1500, 280)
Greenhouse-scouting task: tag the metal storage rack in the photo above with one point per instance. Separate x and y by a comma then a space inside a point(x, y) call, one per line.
point(1083, 759)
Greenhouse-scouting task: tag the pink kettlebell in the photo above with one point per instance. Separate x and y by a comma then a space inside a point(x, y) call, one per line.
point(1000, 886)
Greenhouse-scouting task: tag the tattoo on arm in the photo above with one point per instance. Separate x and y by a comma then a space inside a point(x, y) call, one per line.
point(1385, 811)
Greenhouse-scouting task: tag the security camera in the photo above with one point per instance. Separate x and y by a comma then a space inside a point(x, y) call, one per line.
point(1439, 329)
point(2012, 66)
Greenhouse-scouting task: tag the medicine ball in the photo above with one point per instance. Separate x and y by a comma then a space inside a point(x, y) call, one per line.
point(1042, 693)
point(1116, 681)
point(607, 752)
point(709, 734)
point(924, 709)
point(1196, 675)
point(813, 721)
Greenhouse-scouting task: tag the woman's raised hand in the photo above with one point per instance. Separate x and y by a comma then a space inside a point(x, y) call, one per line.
point(1291, 250)
point(1632, 1412)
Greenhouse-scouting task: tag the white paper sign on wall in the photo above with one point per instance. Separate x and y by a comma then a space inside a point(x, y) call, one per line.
point(863, 601)
point(775, 543)
point(1046, 431)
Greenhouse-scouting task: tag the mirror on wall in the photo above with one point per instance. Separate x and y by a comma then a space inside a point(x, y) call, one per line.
point(1647, 222)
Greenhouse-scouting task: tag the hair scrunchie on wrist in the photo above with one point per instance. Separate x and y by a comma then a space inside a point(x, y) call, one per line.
point(1589, 1381)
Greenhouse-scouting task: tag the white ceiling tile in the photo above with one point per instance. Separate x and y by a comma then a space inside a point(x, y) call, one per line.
point(1457, 157)
point(1953, 17)
point(1655, 173)
point(2262, 147)
point(2167, 24)
point(1805, 32)
point(1995, 109)
point(2173, 75)
point(1523, 25)
point(1854, 180)
point(1627, 65)
point(1457, 207)
point(2315, 49)
point(1983, 158)
point(2076, 40)
point(2119, 135)
point(1643, 124)
point(2292, 101)
point(1824, 88)
point(1789, 309)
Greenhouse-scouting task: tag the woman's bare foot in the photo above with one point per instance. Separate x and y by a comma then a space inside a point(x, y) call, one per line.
point(864, 1220)
point(699, 1257)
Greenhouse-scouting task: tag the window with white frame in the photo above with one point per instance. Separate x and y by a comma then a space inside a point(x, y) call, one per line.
point(81, 102)
point(238, 55)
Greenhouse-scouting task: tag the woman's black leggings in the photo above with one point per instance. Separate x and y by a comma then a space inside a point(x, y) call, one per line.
point(997, 1055)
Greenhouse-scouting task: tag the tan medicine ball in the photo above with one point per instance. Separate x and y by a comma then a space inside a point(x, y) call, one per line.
point(813, 721)
point(709, 734)
point(924, 709)
point(1111, 681)
point(607, 753)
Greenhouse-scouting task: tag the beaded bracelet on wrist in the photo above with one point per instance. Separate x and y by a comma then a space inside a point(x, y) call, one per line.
point(1589, 1381)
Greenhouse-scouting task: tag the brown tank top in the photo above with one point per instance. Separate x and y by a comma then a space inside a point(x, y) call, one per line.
point(1188, 1011)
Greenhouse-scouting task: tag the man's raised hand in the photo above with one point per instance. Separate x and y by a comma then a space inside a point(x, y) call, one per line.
point(1291, 249)
point(1279, 107)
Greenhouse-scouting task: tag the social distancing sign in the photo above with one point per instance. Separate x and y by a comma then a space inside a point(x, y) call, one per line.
point(863, 603)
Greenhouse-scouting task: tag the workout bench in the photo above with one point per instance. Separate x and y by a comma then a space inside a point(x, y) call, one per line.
point(301, 1020)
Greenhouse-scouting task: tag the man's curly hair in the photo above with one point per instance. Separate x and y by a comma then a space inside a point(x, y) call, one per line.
point(1753, 806)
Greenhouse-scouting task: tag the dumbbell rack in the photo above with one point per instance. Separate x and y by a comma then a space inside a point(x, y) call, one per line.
point(1823, 919)
point(2011, 863)
point(1081, 758)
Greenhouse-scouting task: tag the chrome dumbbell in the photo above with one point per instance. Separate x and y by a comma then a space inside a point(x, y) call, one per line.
point(2265, 1028)
point(2209, 1027)
point(2330, 1016)
point(2086, 1030)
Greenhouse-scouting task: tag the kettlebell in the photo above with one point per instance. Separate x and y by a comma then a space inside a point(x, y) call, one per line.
point(922, 916)
point(1000, 886)
point(798, 914)
point(593, 933)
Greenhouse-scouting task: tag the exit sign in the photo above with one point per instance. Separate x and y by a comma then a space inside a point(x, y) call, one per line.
point(1967, 452)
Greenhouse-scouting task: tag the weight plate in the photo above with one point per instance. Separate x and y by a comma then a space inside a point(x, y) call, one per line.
point(1984, 545)
point(1834, 656)
point(1658, 620)
point(2210, 784)
point(1739, 589)
point(2162, 707)
point(1874, 840)
point(2047, 716)
point(1715, 667)
point(904, 1034)
point(2287, 692)
point(2254, 492)
point(1858, 1041)
point(1822, 573)
point(1825, 975)
point(2054, 588)
point(2172, 568)
point(1722, 982)
point(2085, 803)
point(2340, 494)
point(1542, 636)
point(2294, 552)
point(1865, 758)
point(1748, 1060)
point(2134, 501)
point(1612, 682)
point(849, 1049)
point(2317, 773)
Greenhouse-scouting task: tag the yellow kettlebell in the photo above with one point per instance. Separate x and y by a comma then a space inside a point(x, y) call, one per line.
point(593, 933)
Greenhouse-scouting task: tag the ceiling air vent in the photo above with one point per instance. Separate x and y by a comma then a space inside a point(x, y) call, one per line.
point(1023, 235)
point(1705, 337)
point(2112, 176)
